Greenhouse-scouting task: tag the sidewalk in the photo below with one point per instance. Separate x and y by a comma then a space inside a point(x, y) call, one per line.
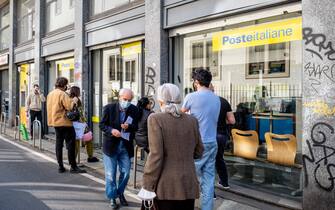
point(231, 201)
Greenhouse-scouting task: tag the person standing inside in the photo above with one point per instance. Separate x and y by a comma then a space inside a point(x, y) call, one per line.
point(226, 116)
point(75, 92)
point(141, 135)
point(204, 105)
point(174, 142)
point(58, 103)
point(34, 107)
point(118, 124)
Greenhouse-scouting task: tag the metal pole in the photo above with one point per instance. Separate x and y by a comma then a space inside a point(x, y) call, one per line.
point(135, 165)
point(3, 122)
point(17, 127)
point(78, 152)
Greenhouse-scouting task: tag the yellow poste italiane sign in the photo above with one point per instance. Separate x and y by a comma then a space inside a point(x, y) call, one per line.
point(262, 34)
point(131, 48)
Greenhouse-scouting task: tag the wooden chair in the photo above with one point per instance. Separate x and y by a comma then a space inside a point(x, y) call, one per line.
point(281, 149)
point(245, 143)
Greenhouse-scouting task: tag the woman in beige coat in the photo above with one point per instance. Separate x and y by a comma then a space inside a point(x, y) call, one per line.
point(174, 142)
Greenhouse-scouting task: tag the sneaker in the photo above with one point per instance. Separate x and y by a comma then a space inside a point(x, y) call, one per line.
point(61, 169)
point(123, 200)
point(92, 160)
point(77, 170)
point(214, 196)
point(113, 204)
point(224, 186)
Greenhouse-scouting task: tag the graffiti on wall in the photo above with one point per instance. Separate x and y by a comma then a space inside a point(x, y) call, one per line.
point(321, 49)
point(320, 71)
point(323, 166)
point(320, 108)
point(149, 84)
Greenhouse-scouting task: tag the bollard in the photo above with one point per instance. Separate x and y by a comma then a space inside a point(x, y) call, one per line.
point(3, 122)
point(17, 127)
point(38, 124)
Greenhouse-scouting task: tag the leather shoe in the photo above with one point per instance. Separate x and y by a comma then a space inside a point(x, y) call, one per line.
point(77, 170)
point(113, 204)
point(92, 160)
point(123, 200)
point(61, 169)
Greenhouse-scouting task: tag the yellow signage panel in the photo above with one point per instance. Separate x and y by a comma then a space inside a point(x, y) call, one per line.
point(262, 34)
point(66, 65)
point(131, 48)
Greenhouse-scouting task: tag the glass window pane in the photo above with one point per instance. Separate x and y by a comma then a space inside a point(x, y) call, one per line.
point(99, 6)
point(4, 39)
point(133, 70)
point(112, 70)
point(58, 15)
point(127, 71)
point(5, 16)
point(25, 20)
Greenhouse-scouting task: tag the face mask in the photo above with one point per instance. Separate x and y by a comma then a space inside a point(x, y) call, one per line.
point(124, 104)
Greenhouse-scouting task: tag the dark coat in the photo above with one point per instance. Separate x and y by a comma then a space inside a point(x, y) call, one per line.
point(141, 135)
point(111, 120)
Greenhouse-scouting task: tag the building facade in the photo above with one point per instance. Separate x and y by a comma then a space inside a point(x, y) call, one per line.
point(254, 50)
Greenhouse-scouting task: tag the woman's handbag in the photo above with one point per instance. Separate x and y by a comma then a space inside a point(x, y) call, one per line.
point(88, 136)
point(74, 114)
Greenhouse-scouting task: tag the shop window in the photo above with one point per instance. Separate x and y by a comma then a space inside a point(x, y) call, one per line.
point(269, 60)
point(204, 57)
point(114, 67)
point(261, 78)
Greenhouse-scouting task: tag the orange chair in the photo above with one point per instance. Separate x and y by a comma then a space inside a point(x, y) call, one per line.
point(281, 149)
point(245, 143)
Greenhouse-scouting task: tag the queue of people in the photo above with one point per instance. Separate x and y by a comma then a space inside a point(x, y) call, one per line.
point(184, 145)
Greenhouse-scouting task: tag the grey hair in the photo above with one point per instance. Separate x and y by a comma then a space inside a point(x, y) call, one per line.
point(169, 94)
point(125, 90)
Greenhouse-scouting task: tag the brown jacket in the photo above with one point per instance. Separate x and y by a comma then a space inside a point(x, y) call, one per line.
point(174, 144)
point(58, 103)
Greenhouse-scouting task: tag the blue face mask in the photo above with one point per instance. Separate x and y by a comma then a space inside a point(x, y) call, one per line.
point(124, 104)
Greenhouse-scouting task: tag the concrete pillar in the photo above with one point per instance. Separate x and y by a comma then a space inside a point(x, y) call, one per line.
point(319, 104)
point(81, 64)
point(156, 48)
point(12, 71)
point(39, 72)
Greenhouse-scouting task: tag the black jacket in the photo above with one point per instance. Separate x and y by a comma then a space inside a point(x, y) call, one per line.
point(111, 120)
point(141, 135)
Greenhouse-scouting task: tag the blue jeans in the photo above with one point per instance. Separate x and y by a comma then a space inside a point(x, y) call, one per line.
point(120, 158)
point(205, 168)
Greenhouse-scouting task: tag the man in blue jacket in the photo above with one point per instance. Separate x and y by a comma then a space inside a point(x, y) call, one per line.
point(118, 124)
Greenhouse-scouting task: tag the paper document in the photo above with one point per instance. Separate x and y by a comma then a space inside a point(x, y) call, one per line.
point(126, 135)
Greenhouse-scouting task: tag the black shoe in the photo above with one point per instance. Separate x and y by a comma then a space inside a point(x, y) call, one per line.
point(77, 170)
point(92, 160)
point(61, 169)
point(113, 204)
point(123, 200)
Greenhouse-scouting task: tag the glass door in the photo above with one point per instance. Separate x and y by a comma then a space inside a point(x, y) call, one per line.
point(112, 75)
point(25, 84)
